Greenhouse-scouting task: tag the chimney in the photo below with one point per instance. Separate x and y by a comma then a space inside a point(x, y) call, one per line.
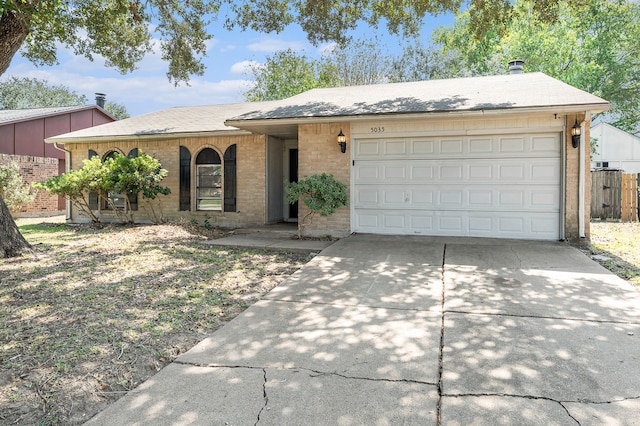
point(516, 67)
point(100, 99)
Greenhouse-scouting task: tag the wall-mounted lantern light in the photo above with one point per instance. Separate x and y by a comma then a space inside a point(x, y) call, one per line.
point(575, 135)
point(342, 141)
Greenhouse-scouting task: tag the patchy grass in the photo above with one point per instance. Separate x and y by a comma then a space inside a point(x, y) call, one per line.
point(94, 312)
point(621, 243)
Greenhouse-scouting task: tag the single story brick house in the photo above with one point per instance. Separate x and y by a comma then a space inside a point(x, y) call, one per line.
point(483, 157)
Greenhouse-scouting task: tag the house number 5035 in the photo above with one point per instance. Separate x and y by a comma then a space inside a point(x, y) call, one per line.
point(376, 130)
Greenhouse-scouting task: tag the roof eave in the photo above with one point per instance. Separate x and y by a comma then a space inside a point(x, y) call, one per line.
point(53, 114)
point(145, 136)
point(556, 109)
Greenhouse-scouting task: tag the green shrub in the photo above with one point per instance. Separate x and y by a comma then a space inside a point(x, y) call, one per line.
point(13, 190)
point(320, 193)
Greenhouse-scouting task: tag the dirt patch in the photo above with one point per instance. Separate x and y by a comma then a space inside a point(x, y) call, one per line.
point(95, 312)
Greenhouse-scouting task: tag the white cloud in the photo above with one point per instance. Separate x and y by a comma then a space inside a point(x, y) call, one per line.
point(244, 67)
point(326, 48)
point(139, 92)
point(274, 45)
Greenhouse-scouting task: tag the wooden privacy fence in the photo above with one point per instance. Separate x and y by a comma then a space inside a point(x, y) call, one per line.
point(614, 195)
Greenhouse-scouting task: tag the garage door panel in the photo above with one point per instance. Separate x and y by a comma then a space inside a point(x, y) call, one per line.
point(488, 186)
point(394, 173)
point(451, 146)
point(512, 198)
point(507, 170)
point(545, 144)
point(542, 145)
point(512, 145)
point(422, 171)
point(481, 145)
point(394, 147)
point(458, 224)
point(421, 147)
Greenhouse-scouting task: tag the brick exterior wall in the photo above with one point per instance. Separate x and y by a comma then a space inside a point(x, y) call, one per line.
point(250, 173)
point(572, 180)
point(36, 169)
point(319, 152)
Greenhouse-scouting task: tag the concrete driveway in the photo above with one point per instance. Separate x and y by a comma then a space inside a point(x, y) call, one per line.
point(380, 330)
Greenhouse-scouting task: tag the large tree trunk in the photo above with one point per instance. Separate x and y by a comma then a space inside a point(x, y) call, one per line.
point(12, 243)
point(13, 32)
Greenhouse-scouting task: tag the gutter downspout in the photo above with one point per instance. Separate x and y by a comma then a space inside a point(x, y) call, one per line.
point(67, 159)
point(581, 175)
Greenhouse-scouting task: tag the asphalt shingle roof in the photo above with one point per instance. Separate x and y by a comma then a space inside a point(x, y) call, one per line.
point(528, 90)
point(13, 115)
point(502, 92)
point(170, 121)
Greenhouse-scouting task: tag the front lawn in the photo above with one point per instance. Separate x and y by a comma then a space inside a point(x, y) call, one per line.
point(621, 243)
point(94, 312)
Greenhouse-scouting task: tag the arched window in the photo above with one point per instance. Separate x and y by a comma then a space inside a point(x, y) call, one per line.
point(185, 179)
point(208, 180)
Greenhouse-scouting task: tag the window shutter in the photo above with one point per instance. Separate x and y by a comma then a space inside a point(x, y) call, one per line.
point(230, 186)
point(93, 196)
point(133, 198)
point(185, 179)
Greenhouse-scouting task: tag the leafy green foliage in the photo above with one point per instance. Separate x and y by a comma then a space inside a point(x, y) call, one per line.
point(592, 47)
point(119, 30)
point(320, 193)
point(118, 174)
point(77, 184)
point(358, 63)
point(119, 111)
point(13, 190)
point(286, 73)
point(24, 92)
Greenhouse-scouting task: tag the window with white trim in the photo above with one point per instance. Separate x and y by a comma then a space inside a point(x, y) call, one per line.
point(208, 180)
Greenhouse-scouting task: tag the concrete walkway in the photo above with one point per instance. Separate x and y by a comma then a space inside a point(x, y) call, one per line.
point(380, 330)
point(280, 236)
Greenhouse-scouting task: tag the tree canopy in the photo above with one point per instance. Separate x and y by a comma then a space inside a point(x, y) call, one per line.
point(594, 48)
point(120, 31)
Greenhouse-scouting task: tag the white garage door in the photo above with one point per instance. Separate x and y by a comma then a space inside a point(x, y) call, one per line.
point(502, 186)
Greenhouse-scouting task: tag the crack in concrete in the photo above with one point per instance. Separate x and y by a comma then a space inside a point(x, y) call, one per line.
point(516, 255)
point(545, 398)
point(347, 305)
point(199, 364)
point(264, 395)
point(494, 314)
point(371, 379)
point(561, 401)
point(506, 395)
point(441, 349)
point(566, 410)
point(317, 373)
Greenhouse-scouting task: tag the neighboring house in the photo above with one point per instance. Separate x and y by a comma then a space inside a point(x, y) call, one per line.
point(22, 134)
point(481, 157)
point(616, 149)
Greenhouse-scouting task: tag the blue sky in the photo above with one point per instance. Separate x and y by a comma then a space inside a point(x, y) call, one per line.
point(148, 89)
